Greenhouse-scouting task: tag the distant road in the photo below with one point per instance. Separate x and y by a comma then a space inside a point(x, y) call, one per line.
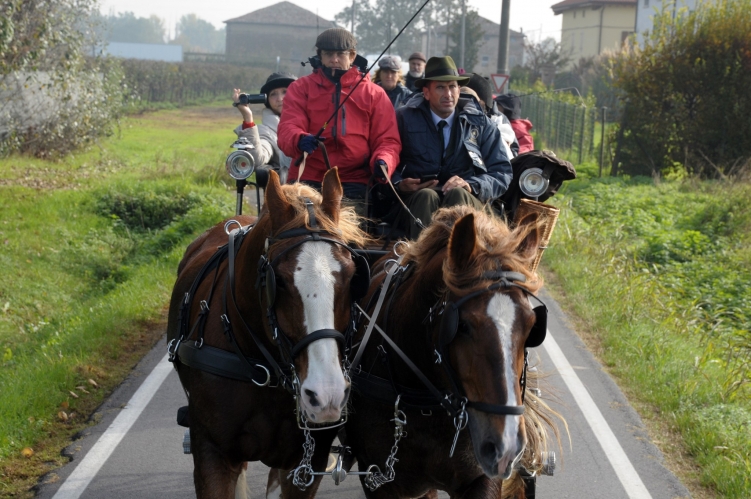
point(136, 449)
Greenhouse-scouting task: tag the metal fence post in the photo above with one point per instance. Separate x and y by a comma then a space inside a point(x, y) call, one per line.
point(581, 134)
point(602, 139)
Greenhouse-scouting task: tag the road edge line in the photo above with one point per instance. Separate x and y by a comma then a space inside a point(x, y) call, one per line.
point(627, 474)
point(90, 465)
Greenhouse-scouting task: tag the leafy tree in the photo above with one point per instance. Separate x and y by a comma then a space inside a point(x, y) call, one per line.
point(473, 35)
point(126, 27)
point(545, 54)
point(53, 96)
point(377, 23)
point(687, 93)
point(197, 35)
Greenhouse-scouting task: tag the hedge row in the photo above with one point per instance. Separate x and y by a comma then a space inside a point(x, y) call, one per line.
point(153, 82)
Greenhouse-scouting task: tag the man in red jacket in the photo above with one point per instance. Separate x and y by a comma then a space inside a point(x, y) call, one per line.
point(360, 137)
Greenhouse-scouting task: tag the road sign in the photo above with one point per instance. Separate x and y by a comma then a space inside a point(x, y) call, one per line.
point(499, 82)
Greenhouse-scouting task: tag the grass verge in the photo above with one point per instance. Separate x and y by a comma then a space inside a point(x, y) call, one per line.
point(658, 273)
point(90, 245)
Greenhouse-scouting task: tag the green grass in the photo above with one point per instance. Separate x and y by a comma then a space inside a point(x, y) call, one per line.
point(89, 247)
point(659, 273)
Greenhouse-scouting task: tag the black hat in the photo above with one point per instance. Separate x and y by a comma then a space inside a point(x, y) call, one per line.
point(274, 81)
point(277, 80)
point(336, 39)
point(441, 69)
point(482, 87)
point(511, 106)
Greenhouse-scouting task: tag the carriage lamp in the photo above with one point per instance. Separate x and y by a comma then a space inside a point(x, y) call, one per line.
point(532, 182)
point(240, 164)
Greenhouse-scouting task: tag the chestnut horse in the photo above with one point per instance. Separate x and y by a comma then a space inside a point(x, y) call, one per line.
point(462, 310)
point(256, 350)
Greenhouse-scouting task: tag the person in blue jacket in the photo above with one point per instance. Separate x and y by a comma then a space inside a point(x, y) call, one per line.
point(451, 152)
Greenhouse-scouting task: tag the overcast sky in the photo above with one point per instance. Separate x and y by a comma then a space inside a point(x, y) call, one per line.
point(534, 16)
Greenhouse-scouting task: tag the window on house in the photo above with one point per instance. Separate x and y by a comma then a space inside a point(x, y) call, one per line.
point(573, 41)
point(574, 14)
point(584, 13)
point(581, 42)
point(646, 3)
point(485, 60)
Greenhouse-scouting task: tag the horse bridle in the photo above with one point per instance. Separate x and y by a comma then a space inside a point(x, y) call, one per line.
point(222, 363)
point(454, 401)
point(449, 326)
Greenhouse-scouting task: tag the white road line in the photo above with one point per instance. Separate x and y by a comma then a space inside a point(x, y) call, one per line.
point(77, 482)
point(623, 468)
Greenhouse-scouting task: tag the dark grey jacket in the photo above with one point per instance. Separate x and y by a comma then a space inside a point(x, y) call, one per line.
point(474, 153)
point(398, 96)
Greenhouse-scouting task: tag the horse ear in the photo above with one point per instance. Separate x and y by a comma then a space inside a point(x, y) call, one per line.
point(332, 194)
point(280, 210)
point(529, 245)
point(462, 241)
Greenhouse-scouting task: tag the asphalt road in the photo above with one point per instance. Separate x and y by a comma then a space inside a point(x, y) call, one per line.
point(136, 449)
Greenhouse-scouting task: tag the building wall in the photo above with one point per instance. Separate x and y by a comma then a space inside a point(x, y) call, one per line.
point(260, 45)
point(582, 35)
point(648, 8)
point(147, 51)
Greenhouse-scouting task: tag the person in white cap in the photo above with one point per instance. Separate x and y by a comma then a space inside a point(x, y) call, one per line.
point(389, 76)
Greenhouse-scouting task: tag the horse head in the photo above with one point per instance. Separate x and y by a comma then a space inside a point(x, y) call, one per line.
point(310, 278)
point(487, 323)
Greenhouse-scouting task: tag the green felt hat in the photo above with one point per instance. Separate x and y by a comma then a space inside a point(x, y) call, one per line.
point(441, 69)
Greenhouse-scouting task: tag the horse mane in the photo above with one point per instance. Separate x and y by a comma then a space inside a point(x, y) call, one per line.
point(496, 248)
point(348, 227)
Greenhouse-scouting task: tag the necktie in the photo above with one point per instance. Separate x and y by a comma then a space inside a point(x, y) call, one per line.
point(441, 125)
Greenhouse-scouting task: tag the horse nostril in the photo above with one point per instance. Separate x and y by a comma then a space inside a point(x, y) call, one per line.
point(489, 450)
point(312, 396)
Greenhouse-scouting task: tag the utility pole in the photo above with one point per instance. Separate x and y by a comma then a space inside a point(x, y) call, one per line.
point(503, 38)
point(427, 25)
point(464, 27)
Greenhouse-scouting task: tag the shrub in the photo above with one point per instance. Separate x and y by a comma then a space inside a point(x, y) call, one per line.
point(182, 83)
point(52, 98)
point(686, 92)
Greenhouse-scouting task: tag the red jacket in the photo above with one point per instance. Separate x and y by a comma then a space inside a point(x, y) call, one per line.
point(363, 131)
point(521, 130)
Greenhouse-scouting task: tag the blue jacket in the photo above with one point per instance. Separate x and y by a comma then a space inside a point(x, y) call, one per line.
point(475, 153)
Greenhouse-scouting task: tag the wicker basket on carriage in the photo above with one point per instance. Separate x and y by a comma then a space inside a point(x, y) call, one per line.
point(547, 216)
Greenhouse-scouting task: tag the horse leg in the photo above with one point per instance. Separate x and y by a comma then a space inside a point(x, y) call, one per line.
point(241, 487)
point(215, 476)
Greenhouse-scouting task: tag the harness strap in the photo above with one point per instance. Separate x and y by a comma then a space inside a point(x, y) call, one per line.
point(315, 336)
point(444, 399)
point(386, 283)
point(223, 363)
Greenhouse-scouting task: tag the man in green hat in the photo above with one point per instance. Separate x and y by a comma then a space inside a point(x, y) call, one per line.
point(451, 152)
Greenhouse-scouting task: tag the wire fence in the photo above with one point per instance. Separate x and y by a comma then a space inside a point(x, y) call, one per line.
point(573, 131)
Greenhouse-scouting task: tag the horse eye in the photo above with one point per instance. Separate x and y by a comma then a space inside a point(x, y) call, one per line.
point(464, 328)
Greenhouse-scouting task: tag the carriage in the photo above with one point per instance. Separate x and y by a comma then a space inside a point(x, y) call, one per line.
point(284, 339)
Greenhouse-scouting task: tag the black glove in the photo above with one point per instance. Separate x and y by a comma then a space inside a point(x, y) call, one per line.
point(378, 171)
point(308, 143)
